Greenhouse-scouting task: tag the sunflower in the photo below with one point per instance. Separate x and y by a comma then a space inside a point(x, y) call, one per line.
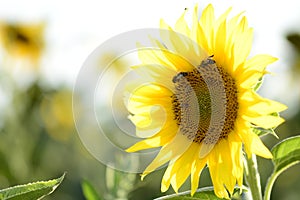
point(23, 41)
point(200, 106)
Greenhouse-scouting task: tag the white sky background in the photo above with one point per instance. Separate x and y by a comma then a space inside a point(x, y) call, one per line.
point(75, 29)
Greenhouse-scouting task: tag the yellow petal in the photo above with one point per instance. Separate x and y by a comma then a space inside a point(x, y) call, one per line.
point(243, 43)
point(223, 17)
point(207, 19)
point(159, 139)
point(182, 167)
point(249, 79)
point(159, 73)
point(142, 98)
point(169, 152)
point(226, 165)
point(267, 106)
point(220, 41)
point(253, 144)
point(181, 25)
point(177, 60)
point(236, 152)
point(205, 149)
point(180, 61)
point(198, 35)
point(151, 56)
point(173, 40)
point(197, 166)
point(256, 66)
point(252, 104)
point(148, 143)
point(206, 22)
point(231, 31)
point(266, 122)
point(149, 123)
point(215, 168)
point(219, 32)
point(259, 62)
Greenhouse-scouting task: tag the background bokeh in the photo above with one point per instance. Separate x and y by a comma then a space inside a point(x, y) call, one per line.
point(44, 44)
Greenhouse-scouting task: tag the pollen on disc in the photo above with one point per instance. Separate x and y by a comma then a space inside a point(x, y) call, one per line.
point(205, 102)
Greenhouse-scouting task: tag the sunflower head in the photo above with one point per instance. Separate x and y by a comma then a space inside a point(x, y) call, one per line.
point(23, 40)
point(203, 82)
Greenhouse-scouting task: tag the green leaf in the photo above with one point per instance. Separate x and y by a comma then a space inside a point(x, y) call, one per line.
point(206, 193)
point(89, 191)
point(286, 153)
point(31, 191)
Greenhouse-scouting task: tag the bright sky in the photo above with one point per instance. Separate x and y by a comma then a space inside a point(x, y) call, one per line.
point(75, 28)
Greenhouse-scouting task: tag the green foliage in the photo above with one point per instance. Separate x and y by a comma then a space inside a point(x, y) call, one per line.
point(206, 193)
point(31, 191)
point(286, 154)
point(89, 191)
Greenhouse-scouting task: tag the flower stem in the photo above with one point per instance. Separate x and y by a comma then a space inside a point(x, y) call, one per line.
point(253, 178)
point(269, 186)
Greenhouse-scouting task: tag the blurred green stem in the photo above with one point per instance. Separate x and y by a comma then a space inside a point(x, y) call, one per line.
point(272, 179)
point(269, 186)
point(253, 178)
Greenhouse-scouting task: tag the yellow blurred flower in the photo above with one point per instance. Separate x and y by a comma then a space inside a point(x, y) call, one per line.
point(115, 63)
point(56, 111)
point(23, 41)
point(204, 114)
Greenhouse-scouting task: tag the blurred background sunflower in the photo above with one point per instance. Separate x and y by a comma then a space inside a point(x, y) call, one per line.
point(44, 44)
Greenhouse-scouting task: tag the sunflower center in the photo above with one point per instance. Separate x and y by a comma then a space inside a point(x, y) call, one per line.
point(205, 102)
